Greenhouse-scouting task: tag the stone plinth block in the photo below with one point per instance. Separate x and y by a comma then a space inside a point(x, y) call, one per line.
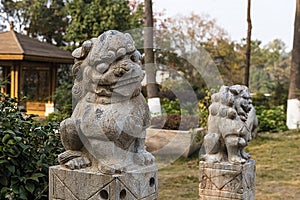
point(84, 184)
point(219, 181)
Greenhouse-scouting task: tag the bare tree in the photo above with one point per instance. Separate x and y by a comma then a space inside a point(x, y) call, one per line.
point(294, 89)
point(248, 49)
point(293, 106)
point(152, 90)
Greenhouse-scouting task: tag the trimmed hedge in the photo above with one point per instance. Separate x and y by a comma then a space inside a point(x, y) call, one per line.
point(27, 149)
point(271, 119)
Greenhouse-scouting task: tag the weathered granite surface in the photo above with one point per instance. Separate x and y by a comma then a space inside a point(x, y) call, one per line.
point(107, 128)
point(226, 170)
point(85, 184)
point(232, 123)
point(105, 155)
point(219, 181)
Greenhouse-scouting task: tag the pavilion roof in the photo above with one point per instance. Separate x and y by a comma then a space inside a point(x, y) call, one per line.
point(15, 46)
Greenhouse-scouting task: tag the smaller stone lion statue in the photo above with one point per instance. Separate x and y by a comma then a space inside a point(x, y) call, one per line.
point(232, 123)
point(107, 129)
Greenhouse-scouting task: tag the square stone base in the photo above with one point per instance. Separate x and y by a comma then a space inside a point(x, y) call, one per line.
point(219, 181)
point(65, 184)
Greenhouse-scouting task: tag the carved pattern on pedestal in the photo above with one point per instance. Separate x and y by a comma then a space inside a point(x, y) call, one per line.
point(225, 180)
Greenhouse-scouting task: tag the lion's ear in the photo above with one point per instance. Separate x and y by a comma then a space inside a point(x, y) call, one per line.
point(82, 52)
point(236, 89)
point(224, 88)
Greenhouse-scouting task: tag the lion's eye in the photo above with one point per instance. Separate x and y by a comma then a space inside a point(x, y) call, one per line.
point(102, 68)
point(135, 57)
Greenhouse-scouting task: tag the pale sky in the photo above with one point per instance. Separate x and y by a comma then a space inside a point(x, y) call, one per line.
point(271, 19)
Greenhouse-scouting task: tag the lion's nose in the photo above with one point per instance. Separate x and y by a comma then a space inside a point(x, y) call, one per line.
point(120, 71)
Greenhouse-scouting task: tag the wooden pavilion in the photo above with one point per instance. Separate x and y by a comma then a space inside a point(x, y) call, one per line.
point(30, 67)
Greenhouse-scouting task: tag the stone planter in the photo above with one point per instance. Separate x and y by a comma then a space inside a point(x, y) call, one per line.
point(162, 142)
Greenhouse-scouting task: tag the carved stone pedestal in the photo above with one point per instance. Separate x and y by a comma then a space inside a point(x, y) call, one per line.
point(219, 181)
point(85, 184)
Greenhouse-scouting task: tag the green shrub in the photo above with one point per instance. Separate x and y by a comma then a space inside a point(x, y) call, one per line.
point(178, 108)
point(175, 122)
point(63, 98)
point(57, 116)
point(170, 107)
point(184, 116)
point(27, 149)
point(271, 119)
point(204, 104)
point(259, 99)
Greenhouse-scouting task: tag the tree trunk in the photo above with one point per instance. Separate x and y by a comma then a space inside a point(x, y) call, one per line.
point(293, 104)
point(248, 48)
point(152, 90)
point(294, 89)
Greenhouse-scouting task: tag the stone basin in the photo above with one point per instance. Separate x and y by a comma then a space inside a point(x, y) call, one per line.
point(162, 142)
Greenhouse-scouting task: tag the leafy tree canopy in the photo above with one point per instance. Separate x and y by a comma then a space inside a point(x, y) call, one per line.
point(70, 22)
point(89, 18)
point(41, 19)
point(270, 70)
point(184, 37)
point(198, 39)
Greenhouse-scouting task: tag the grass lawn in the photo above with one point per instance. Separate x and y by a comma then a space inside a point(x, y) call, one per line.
point(277, 158)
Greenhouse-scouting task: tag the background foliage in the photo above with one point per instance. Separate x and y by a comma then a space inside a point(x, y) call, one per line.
point(68, 23)
point(27, 149)
point(272, 119)
point(90, 18)
point(43, 19)
point(177, 115)
point(63, 95)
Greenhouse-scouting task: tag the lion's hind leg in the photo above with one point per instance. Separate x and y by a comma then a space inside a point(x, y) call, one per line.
point(212, 147)
point(234, 145)
point(72, 158)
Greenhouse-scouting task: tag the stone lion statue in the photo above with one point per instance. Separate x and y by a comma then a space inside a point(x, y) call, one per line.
point(232, 123)
point(106, 131)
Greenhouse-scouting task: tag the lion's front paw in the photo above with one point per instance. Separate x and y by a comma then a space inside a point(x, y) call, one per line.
point(211, 158)
point(144, 158)
point(245, 155)
point(112, 169)
point(74, 160)
point(236, 160)
point(78, 163)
